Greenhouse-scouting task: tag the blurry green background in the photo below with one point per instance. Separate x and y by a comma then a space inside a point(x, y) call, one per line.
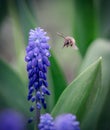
point(88, 21)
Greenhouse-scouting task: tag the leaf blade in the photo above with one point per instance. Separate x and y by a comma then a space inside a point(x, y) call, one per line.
point(85, 25)
point(12, 89)
point(75, 90)
point(101, 47)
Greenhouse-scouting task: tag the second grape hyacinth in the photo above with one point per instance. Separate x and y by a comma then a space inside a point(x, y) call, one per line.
point(61, 122)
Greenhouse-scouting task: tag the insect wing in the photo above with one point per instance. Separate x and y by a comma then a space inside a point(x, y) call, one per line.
point(75, 47)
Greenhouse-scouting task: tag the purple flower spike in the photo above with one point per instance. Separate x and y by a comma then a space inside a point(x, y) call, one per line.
point(37, 54)
point(46, 122)
point(66, 122)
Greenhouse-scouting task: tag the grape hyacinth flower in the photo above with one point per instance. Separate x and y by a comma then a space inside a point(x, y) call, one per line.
point(46, 122)
point(37, 54)
point(62, 122)
point(11, 120)
point(66, 122)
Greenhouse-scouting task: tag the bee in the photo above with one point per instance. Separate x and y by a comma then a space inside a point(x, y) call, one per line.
point(68, 41)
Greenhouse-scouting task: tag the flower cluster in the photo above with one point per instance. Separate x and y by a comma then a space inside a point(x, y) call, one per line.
point(37, 54)
point(46, 122)
point(62, 122)
point(66, 122)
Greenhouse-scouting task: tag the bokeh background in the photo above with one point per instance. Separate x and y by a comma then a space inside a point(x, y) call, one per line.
point(88, 21)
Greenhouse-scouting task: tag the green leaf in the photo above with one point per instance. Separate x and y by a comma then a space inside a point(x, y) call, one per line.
point(104, 18)
point(57, 81)
point(24, 15)
point(13, 91)
point(85, 24)
point(3, 10)
point(82, 95)
point(101, 47)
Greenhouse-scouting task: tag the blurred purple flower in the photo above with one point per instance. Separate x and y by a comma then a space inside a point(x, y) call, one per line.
point(11, 120)
point(46, 122)
point(62, 122)
point(37, 54)
point(66, 122)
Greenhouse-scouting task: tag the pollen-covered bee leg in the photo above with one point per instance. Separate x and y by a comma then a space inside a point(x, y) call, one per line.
point(64, 45)
point(67, 45)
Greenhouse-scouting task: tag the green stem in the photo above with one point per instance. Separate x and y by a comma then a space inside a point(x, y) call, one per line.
point(37, 118)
